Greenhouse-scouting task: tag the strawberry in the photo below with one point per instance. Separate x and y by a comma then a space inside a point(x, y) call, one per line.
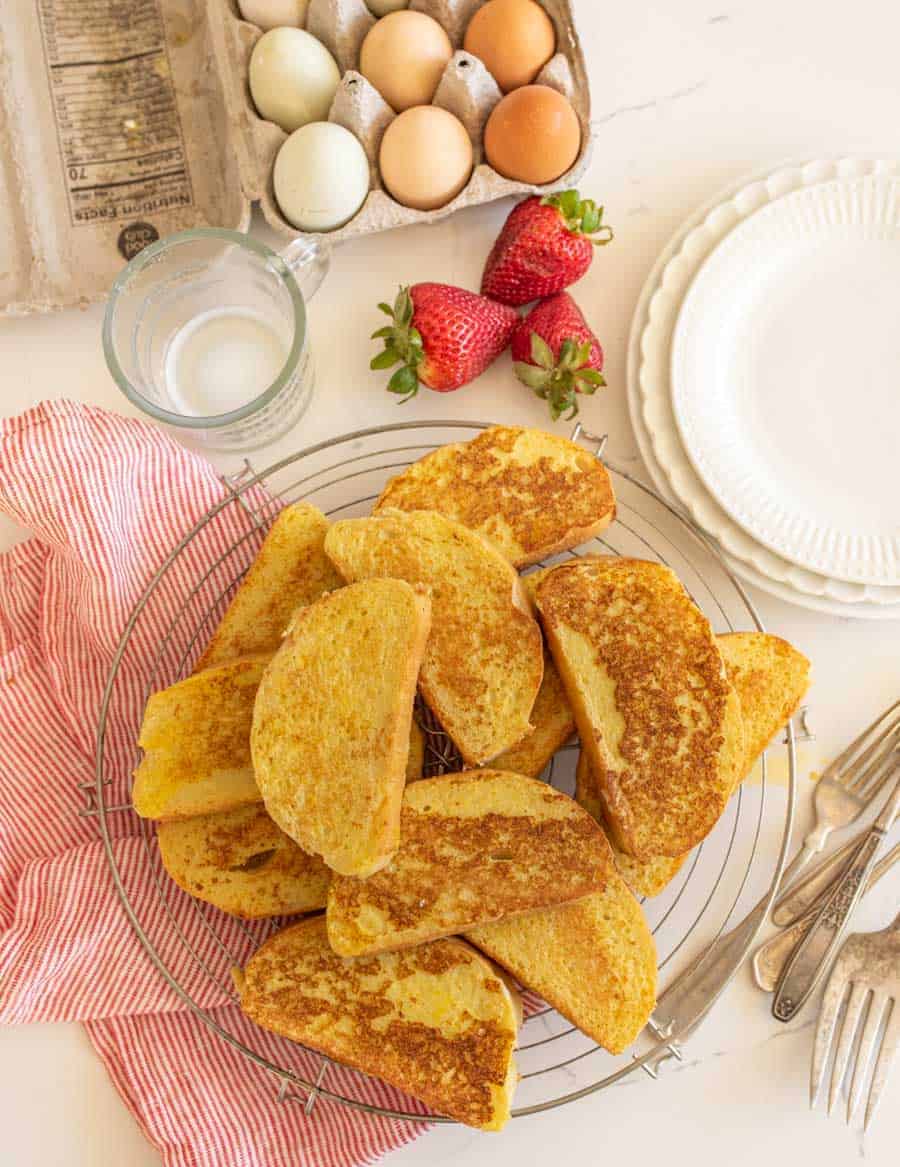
point(545, 245)
point(443, 336)
point(557, 355)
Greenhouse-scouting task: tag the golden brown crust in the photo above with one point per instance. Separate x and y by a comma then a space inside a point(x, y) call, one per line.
point(331, 723)
point(475, 846)
point(290, 570)
point(531, 493)
point(241, 862)
point(650, 695)
point(436, 1021)
point(484, 660)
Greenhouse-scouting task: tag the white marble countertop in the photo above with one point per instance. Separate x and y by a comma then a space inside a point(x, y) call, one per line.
point(687, 98)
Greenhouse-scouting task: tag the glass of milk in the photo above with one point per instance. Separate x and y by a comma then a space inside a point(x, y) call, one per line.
point(206, 330)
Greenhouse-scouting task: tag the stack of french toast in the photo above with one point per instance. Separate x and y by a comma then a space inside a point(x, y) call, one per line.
point(286, 773)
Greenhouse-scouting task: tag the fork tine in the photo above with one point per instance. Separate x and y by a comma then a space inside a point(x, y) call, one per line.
point(864, 1051)
point(859, 743)
point(873, 788)
point(873, 761)
point(858, 994)
point(831, 1008)
point(889, 1044)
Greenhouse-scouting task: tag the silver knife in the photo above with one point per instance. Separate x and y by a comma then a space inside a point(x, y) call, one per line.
point(814, 953)
point(799, 897)
point(772, 956)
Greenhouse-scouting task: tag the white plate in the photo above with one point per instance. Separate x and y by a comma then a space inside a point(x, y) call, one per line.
point(650, 403)
point(785, 377)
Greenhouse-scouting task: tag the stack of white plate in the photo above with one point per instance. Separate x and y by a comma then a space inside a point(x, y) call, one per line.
point(764, 381)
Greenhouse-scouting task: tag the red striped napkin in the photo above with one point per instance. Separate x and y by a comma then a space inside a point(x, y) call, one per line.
point(106, 498)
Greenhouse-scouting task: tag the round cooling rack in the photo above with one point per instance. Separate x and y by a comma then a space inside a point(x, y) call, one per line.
point(196, 947)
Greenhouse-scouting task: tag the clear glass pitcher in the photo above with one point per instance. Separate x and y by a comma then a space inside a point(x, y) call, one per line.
point(206, 330)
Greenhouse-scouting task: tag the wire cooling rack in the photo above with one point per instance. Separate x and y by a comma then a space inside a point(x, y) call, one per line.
point(195, 946)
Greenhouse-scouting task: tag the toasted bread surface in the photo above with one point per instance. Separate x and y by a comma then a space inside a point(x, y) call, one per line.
point(484, 660)
point(415, 761)
point(771, 678)
point(436, 1021)
point(241, 862)
point(531, 493)
point(655, 711)
point(291, 569)
point(196, 741)
point(593, 960)
point(646, 877)
point(331, 722)
point(475, 846)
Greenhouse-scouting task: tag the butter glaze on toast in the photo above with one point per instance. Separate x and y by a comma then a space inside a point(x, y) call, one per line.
point(196, 741)
point(593, 960)
point(241, 862)
point(331, 722)
point(291, 569)
point(474, 847)
point(531, 493)
point(656, 713)
point(483, 663)
point(436, 1021)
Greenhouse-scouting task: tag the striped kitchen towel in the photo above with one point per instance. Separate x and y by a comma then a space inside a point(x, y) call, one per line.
point(106, 499)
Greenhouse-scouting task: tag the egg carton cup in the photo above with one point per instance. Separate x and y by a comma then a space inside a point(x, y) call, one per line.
point(84, 185)
point(466, 90)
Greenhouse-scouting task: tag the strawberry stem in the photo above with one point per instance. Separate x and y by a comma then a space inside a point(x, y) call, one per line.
point(559, 380)
point(582, 216)
point(403, 344)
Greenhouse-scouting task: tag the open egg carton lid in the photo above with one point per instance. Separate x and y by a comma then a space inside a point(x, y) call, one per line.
point(125, 123)
point(467, 90)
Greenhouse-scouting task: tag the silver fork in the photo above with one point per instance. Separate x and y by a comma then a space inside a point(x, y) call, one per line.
point(843, 792)
point(868, 963)
point(848, 785)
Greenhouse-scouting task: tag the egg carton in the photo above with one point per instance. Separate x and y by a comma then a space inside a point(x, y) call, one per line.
point(466, 90)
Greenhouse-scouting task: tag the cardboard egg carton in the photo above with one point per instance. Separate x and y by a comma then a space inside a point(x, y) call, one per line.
point(122, 124)
point(466, 90)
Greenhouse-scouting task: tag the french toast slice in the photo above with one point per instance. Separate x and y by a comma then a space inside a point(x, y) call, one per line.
point(474, 847)
point(531, 493)
point(656, 713)
point(770, 677)
point(483, 664)
point(551, 716)
point(437, 1021)
point(331, 722)
point(291, 569)
point(196, 741)
point(647, 877)
point(241, 862)
point(593, 960)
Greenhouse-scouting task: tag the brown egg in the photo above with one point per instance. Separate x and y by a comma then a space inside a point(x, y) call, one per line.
point(425, 157)
point(514, 38)
point(404, 55)
point(533, 135)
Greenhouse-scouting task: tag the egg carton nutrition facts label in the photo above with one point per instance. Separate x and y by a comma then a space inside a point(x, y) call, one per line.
point(116, 116)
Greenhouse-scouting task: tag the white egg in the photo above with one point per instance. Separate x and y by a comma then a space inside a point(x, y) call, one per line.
point(266, 14)
point(383, 7)
point(321, 177)
point(293, 78)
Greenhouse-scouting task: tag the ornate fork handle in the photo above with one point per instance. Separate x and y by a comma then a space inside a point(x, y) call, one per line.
point(814, 953)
